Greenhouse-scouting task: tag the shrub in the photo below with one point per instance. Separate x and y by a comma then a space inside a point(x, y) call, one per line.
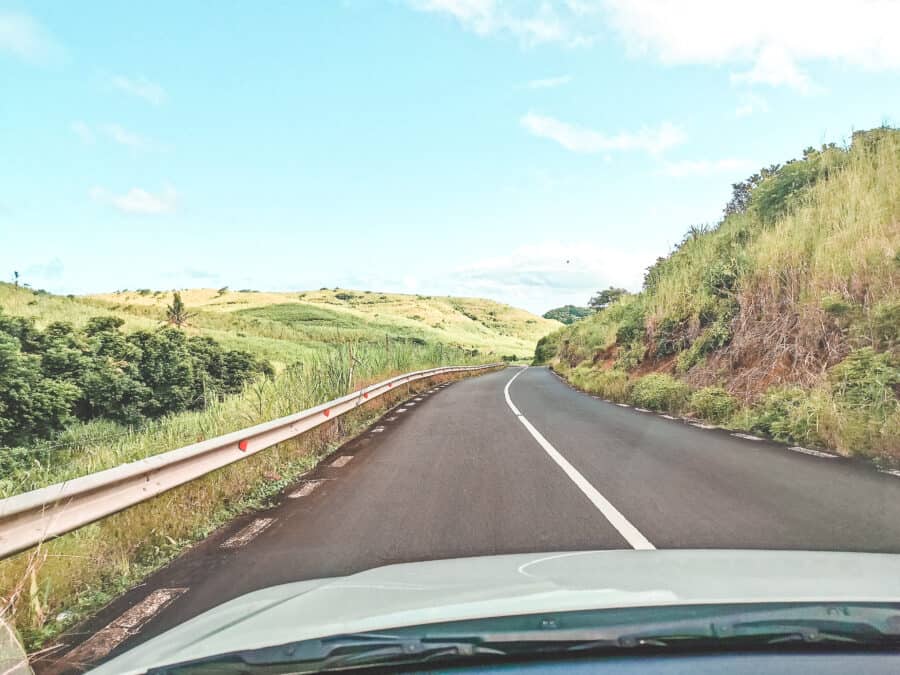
point(713, 404)
point(630, 356)
point(659, 391)
point(546, 348)
point(344, 296)
point(787, 414)
point(670, 336)
point(631, 324)
point(716, 336)
point(867, 379)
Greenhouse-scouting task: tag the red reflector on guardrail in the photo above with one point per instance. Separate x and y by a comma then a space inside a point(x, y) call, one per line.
point(326, 412)
point(242, 445)
point(366, 395)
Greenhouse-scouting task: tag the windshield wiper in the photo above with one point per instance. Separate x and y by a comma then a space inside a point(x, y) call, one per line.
point(339, 652)
point(810, 624)
point(837, 624)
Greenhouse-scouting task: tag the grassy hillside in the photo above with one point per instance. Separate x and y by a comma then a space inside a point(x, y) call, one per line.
point(252, 320)
point(323, 344)
point(783, 319)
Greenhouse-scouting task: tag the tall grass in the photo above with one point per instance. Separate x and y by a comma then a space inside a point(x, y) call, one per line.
point(79, 572)
point(765, 312)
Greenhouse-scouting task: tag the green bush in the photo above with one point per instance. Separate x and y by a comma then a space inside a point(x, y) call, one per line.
point(659, 391)
point(670, 336)
point(631, 323)
point(787, 414)
point(713, 404)
point(630, 356)
point(50, 377)
point(716, 336)
point(867, 380)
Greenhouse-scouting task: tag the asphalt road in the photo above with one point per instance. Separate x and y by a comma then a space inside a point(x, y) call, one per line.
point(460, 473)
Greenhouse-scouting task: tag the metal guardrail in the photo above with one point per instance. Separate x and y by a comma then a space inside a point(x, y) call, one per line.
point(32, 517)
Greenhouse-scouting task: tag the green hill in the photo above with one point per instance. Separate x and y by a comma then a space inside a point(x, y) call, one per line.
point(782, 319)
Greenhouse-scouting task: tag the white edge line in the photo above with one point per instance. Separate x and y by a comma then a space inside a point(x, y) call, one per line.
point(631, 534)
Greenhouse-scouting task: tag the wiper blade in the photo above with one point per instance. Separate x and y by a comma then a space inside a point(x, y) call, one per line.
point(813, 624)
point(335, 653)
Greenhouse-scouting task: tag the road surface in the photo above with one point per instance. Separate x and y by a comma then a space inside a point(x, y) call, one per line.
point(493, 465)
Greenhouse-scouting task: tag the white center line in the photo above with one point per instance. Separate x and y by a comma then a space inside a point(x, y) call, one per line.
point(611, 513)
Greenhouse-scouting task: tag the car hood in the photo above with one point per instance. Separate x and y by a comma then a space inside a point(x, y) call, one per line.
point(470, 588)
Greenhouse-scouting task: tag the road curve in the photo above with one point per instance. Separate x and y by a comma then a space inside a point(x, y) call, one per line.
point(487, 467)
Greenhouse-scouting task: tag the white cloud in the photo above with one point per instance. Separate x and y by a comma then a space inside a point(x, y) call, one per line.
point(705, 167)
point(123, 136)
point(547, 274)
point(772, 37)
point(26, 39)
point(531, 22)
point(137, 200)
point(750, 103)
point(549, 82)
point(584, 140)
point(140, 87)
point(83, 131)
point(775, 67)
point(116, 133)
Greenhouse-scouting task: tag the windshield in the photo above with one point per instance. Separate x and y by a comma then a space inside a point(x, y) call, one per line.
point(326, 319)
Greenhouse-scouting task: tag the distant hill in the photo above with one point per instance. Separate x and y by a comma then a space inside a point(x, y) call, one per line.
point(782, 319)
point(568, 314)
point(279, 326)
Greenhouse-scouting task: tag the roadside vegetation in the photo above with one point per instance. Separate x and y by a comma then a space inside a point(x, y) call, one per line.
point(89, 383)
point(782, 319)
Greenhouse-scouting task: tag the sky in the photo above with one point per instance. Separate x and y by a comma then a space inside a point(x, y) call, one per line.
point(529, 152)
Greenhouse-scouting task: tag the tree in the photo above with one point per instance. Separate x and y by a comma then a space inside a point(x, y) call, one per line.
point(568, 313)
point(604, 299)
point(177, 313)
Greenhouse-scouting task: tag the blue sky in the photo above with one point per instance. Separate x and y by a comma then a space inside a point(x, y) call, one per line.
point(532, 152)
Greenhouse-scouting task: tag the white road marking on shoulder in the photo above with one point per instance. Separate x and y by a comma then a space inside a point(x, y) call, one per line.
point(700, 425)
point(890, 472)
point(668, 417)
point(611, 513)
point(419, 398)
point(391, 418)
point(814, 453)
point(343, 460)
point(130, 622)
point(643, 410)
point(623, 405)
point(305, 489)
point(377, 430)
point(248, 534)
point(401, 409)
point(747, 437)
